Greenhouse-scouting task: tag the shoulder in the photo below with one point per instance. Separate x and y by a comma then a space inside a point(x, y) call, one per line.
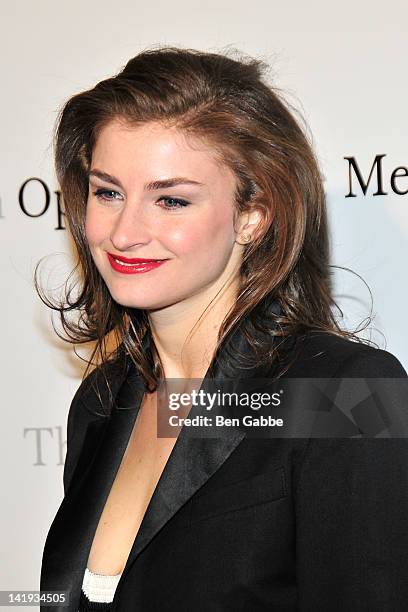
point(322, 354)
point(372, 443)
point(98, 389)
point(91, 403)
point(96, 393)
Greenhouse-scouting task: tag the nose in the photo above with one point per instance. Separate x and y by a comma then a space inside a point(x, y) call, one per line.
point(131, 228)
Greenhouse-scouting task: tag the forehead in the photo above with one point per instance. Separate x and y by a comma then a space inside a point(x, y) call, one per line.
point(159, 149)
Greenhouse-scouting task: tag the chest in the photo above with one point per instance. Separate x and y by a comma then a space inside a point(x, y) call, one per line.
point(136, 479)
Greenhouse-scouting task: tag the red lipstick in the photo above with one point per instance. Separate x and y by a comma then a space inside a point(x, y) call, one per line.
point(134, 265)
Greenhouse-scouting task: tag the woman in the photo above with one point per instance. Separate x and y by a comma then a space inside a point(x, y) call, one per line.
point(198, 214)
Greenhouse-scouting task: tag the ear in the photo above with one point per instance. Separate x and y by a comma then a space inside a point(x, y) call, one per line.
point(250, 224)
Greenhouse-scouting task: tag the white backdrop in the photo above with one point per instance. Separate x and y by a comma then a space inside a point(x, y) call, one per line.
point(343, 67)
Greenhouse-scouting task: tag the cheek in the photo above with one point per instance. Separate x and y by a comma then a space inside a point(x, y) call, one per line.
point(94, 227)
point(208, 235)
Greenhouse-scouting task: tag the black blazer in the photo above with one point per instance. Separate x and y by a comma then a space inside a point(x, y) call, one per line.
point(243, 524)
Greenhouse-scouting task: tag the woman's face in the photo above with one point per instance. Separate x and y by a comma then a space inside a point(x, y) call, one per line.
point(153, 194)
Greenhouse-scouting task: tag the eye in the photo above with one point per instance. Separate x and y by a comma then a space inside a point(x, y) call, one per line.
point(173, 203)
point(102, 194)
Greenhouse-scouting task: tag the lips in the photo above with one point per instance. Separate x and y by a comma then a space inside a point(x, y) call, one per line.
point(134, 265)
point(133, 260)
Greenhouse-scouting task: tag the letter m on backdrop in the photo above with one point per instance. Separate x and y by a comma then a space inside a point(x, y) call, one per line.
point(355, 170)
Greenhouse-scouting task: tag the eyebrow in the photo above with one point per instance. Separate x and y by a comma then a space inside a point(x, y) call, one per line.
point(163, 184)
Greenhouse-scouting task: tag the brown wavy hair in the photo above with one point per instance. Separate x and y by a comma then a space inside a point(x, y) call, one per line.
point(225, 99)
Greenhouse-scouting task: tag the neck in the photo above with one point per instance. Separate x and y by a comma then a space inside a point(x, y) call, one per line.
point(186, 352)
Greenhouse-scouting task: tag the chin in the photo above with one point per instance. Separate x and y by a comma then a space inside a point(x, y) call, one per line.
point(141, 303)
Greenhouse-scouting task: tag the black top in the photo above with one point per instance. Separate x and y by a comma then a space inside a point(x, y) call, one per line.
point(238, 523)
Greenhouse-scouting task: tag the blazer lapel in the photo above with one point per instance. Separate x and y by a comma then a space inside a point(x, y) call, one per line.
point(190, 465)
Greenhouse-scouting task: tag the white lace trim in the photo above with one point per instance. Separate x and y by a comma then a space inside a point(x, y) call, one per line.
point(99, 587)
